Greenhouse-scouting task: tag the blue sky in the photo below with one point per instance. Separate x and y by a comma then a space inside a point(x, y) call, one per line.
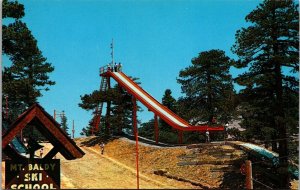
point(154, 40)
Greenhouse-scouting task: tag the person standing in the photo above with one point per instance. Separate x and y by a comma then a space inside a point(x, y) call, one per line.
point(119, 67)
point(102, 147)
point(116, 67)
point(207, 136)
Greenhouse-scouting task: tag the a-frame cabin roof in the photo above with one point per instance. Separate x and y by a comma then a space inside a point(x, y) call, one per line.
point(49, 128)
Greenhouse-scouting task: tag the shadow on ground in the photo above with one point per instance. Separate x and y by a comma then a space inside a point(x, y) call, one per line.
point(96, 141)
point(233, 180)
point(148, 141)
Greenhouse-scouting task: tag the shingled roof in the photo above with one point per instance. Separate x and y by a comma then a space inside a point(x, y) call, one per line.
point(49, 128)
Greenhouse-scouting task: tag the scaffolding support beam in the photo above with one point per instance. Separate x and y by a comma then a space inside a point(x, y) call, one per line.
point(180, 136)
point(136, 140)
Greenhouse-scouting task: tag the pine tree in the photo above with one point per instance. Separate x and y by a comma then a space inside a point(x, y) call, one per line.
point(147, 129)
point(170, 102)
point(90, 102)
point(208, 87)
point(167, 133)
point(121, 110)
point(269, 47)
point(12, 9)
point(27, 76)
point(85, 131)
point(64, 124)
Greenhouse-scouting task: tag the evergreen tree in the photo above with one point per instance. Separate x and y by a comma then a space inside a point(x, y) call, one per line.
point(208, 87)
point(170, 102)
point(12, 9)
point(90, 102)
point(269, 47)
point(166, 133)
point(64, 124)
point(27, 76)
point(147, 129)
point(87, 131)
point(121, 110)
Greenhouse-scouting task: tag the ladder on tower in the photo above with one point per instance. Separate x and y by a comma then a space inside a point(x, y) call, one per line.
point(98, 111)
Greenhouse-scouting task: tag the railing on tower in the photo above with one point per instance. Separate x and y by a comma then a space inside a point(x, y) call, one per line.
point(110, 67)
point(103, 70)
point(106, 68)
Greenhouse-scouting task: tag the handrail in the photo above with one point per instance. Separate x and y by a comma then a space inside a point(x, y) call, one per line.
point(109, 67)
point(104, 69)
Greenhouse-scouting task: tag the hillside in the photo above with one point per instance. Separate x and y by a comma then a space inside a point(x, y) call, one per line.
point(200, 166)
point(204, 167)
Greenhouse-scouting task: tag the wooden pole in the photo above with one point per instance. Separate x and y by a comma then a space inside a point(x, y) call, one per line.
point(108, 109)
point(136, 141)
point(249, 182)
point(73, 130)
point(180, 136)
point(156, 128)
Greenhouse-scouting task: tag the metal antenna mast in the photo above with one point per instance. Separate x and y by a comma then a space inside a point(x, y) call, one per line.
point(112, 51)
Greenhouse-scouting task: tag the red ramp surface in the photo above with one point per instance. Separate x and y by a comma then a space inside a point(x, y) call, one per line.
point(153, 105)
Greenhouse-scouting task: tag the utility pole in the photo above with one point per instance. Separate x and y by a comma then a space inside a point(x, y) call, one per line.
point(61, 114)
point(73, 130)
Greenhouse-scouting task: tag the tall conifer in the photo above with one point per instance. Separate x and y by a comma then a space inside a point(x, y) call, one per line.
point(208, 87)
point(269, 48)
point(27, 75)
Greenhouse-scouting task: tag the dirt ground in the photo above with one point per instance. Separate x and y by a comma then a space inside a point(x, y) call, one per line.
point(96, 171)
point(116, 169)
point(175, 162)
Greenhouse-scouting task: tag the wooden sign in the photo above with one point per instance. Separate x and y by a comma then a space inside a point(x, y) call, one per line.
point(32, 174)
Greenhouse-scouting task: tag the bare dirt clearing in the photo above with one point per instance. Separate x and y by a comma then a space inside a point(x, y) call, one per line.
point(117, 169)
point(174, 161)
point(97, 171)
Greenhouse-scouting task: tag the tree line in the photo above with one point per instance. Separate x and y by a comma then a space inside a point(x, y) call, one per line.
point(267, 104)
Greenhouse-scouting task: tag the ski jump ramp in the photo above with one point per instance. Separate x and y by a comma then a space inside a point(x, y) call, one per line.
point(153, 105)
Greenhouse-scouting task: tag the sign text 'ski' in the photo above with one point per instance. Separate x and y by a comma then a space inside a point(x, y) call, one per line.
point(32, 174)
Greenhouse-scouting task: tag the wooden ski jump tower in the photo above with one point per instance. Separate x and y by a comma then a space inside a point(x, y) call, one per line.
point(153, 105)
point(139, 94)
